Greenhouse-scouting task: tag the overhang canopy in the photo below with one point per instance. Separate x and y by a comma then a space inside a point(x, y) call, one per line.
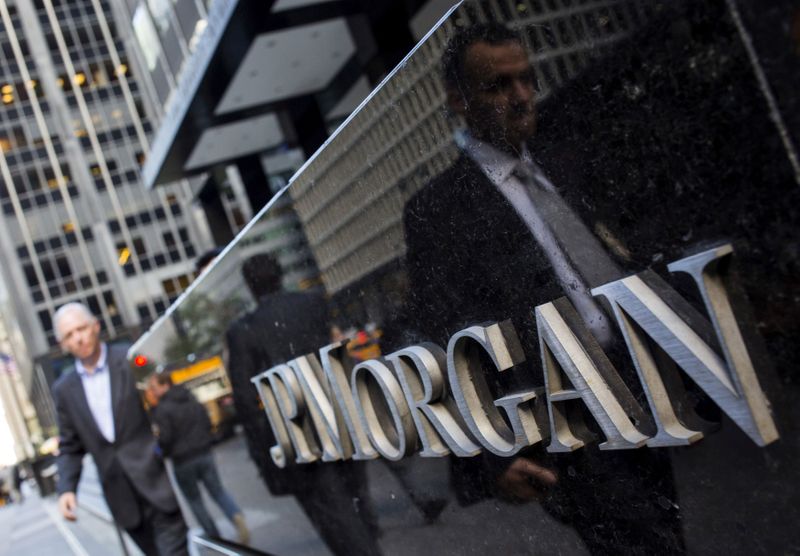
point(253, 59)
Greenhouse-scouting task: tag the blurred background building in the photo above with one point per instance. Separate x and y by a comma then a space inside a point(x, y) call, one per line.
point(76, 223)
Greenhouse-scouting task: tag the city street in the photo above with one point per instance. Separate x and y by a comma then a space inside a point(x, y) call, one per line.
point(35, 526)
point(278, 525)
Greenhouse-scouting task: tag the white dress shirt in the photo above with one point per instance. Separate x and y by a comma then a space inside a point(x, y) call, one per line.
point(97, 387)
point(500, 168)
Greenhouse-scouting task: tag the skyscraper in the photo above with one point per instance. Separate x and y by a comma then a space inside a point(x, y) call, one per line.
point(75, 222)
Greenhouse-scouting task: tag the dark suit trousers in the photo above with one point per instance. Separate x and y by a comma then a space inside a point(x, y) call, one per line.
point(159, 533)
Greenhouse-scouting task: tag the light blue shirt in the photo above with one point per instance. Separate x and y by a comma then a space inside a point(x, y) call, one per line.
point(97, 387)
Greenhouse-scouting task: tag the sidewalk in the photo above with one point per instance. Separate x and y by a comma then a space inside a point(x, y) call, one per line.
point(277, 523)
point(35, 527)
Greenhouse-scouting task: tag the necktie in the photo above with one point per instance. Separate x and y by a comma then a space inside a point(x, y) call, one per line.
point(573, 246)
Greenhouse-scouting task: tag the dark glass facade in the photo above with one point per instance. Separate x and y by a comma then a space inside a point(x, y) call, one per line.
point(558, 302)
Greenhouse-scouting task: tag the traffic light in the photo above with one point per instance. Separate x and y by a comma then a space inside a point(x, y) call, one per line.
point(140, 361)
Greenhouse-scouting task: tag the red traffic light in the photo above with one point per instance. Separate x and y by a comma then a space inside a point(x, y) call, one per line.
point(140, 361)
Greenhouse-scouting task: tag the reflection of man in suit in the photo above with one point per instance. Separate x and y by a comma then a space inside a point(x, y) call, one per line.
point(286, 325)
point(499, 232)
point(496, 220)
point(100, 412)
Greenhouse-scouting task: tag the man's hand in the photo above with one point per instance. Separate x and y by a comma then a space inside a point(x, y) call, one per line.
point(525, 480)
point(67, 503)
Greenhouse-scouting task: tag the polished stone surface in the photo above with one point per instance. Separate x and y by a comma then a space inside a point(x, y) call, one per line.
point(651, 131)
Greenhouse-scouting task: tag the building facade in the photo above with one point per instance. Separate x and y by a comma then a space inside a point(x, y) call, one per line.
point(75, 222)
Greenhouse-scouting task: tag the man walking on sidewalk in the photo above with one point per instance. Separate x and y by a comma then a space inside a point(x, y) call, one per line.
point(100, 412)
point(184, 434)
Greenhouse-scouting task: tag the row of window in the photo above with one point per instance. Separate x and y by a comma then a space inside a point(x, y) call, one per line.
point(146, 314)
point(173, 287)
point(32, 193)
point(116, 134)
point(23, 111)
point(14, 139)
point(39, 199)
point(149, 261)
point(97, 75)
point(131, 176)
point(78, 37)
point(159, 260)
point(8, 50)
point(64, 4)
point(66, 286)
point(55, 242)
point(132, 221)
point(101, 94)
point(34, 179)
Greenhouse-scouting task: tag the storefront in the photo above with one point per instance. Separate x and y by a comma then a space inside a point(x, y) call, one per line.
point(570, 230)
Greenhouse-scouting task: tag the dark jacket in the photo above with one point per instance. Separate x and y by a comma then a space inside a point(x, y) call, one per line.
point(130, 462)
point(184, 429)
point(283, 326)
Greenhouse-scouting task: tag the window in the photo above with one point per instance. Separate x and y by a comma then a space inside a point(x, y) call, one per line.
point(30, 275)
point(169, 287)
point(99, 78)
point(144, 311)
point(139, 247)
point(47, 323)
point(174, 286)
point(64, 268)
point(47, 270)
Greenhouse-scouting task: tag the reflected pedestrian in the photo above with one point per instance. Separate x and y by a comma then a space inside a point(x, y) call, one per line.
point(184, 434)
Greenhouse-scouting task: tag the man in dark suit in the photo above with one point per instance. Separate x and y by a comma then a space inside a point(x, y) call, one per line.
point(512, 224)
point(286, 325)
point(506, 214)
point(100, 412)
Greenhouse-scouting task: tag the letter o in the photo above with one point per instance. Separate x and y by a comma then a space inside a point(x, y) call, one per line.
point(392, 432)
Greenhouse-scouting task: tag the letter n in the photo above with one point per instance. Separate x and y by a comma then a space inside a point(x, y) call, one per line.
point(730, 380)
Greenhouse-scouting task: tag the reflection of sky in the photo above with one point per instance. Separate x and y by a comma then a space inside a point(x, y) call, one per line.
point(7, 456)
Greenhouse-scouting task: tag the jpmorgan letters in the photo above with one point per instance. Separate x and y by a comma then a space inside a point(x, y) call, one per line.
point(438, 401)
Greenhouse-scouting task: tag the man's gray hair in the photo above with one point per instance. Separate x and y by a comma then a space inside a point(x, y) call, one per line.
point(73, 307)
